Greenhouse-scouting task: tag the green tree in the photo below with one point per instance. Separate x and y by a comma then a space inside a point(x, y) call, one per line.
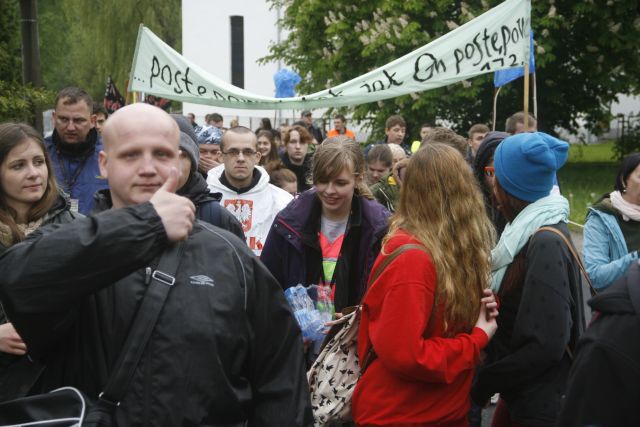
point(16, 99)
point(586, 53)
point(83, 42)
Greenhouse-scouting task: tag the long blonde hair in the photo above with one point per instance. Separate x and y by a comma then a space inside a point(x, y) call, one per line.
point(442, 207)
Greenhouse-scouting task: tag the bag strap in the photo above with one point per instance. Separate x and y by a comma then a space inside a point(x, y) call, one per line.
point(371, 354)
point(385, 262)
point(210, 212)
point(575, 256)
point(162, 280)
point(567, 349)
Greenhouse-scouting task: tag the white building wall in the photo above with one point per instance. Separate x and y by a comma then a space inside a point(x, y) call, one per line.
point(206, 40)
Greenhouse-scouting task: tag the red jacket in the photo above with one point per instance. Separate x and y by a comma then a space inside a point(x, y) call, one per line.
point(416, 380)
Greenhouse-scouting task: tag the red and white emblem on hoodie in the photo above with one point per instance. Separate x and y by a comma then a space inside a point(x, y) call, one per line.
point(242, 209)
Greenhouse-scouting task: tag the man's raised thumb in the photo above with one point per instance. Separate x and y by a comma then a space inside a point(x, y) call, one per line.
point(171, 184)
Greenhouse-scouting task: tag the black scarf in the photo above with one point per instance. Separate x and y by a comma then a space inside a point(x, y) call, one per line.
point(76, 149)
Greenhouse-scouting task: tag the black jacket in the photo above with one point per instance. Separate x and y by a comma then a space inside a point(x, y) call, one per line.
point(604, 382)
point(197, 191)
point(72, 292)
point(527, 360)
point(18, 373)
point(293, 255)
point(316, 132)
point(303, 172)
point(60, 213)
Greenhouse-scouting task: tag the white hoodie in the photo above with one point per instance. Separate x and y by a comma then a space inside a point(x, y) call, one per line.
point(256, 209)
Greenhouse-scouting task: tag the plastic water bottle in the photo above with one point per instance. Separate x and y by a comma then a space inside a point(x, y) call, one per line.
point(299, 310)
point(315, 325)
point(307, 316)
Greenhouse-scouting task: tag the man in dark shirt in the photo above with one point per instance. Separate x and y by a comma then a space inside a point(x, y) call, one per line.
point(296, 156)
point(315, 132)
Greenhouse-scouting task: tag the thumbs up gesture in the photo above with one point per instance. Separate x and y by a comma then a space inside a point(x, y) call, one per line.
point(177, 212)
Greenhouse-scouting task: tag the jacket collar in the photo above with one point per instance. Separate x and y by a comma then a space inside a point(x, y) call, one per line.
point(302, 216)
point(311, 227)
point(61, 204)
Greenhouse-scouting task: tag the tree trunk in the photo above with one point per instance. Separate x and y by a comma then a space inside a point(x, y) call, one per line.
point(31, 53)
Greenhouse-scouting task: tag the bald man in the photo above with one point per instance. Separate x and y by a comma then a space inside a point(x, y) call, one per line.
point(225, 349)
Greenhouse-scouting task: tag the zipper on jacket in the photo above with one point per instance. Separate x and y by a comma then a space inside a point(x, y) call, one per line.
point(147, 368)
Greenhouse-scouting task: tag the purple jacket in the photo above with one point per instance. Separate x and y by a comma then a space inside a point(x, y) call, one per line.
point(292, 252)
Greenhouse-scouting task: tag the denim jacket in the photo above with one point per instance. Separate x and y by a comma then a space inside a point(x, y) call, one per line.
point(605, 252)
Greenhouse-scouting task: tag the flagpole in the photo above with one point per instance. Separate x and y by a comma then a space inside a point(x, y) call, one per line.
point(535, 98)
point(495, 106)
point(126, 94)
point(526, 96)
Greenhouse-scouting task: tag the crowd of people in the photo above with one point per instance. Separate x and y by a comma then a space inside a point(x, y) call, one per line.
point(480, 297)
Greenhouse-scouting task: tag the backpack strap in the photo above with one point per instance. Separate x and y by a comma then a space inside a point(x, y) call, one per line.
point(575, 256)
point(210, 212)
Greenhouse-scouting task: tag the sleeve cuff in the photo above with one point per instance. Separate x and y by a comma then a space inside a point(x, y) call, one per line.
point(479, 337)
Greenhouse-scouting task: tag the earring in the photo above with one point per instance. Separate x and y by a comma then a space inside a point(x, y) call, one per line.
point(624, 189)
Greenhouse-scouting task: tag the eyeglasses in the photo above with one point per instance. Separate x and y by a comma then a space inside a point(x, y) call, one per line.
point(489, 171)
point(234, 152)
point(65, 121)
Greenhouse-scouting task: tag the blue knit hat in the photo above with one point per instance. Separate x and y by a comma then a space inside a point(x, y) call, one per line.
point(526, 164)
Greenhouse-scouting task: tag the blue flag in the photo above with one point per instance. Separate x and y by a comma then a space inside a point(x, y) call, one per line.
point(502, 77)
point(286, 81)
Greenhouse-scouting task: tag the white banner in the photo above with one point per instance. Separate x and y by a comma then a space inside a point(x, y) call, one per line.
point(495, 40)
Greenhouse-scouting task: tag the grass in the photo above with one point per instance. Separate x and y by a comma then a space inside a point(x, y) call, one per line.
point(592, 153)
point(588, 174)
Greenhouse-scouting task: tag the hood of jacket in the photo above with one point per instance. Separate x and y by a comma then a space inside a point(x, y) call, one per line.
point(213, 181)
point(62, 204)
point(196, 190)
point(623, 297)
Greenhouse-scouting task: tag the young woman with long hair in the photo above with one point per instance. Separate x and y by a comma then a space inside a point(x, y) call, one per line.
point(29, 198)
point(538, 283)
point(428, 314)
point(331, 234)
point(269, 157)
